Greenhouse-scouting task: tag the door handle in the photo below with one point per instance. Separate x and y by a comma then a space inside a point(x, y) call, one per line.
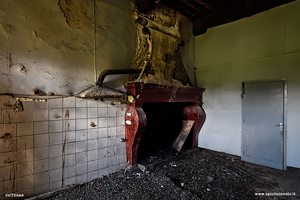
point(279, 125)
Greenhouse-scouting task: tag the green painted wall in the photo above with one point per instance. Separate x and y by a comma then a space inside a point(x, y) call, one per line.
point(261, 47)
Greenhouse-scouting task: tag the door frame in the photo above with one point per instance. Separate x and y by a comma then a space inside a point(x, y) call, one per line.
point(285, 93)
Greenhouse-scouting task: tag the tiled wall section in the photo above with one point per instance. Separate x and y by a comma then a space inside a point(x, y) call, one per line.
point(60, 142)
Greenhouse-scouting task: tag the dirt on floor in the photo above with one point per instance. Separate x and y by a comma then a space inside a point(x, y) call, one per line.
point(203, 175)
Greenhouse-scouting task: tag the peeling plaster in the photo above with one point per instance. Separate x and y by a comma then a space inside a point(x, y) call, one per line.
point(75, 13)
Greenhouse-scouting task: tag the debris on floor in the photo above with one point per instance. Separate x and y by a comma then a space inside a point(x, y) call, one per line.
point(202, 175)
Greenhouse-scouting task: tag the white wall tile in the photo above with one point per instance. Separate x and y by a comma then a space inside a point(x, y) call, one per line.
point(92, 165)
point(92, 175)
point(55, 150)
point(102, 172)
point(69, 125)
point(102, 112)
point(7, 172)
point(111, 151)
point(8, 156)
point(121, 121)
point(56, 138)
point(102, 143)
point(25, 155)
point(81, 124)
point(69, 181)
point(41, 153)
point(40, 115)
point(41, 140)
point(24, 116)
point(112, 112)
point(70, 159)
point(56, 162)
point(81, 168)
point(121, 110)
point(25, 142)
point(69, 171)
point(93, 155)
point(92, 112)
point(41, 165)
point(41, 178)
point(25, 182)
point(81, 135)
point(55, 185)
point(70, 148)
point(9, 144)
point(69, 102)
point(55, 103)
point(81, 146)
point(111, 131)
point(102, 122)
point(55, 175)
point(102, 163)
point(102, 153)
point(102, 104)
point(81, 113)
point(91, 103)
point(55, 126)
point(24, 129)
point(8, 116)
point(24, 169)
point(81, 157)
point(120, 131)
point(81, 178)
point(102, 132)
point(92, 133)
point(92, 144)
point(111, 121)
point(56, 114)
point(41, 189)
point(80, 102)
point(40, 127)
point(71, 137)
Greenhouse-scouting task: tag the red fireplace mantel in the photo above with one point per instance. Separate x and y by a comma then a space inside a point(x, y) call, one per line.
point(136, 119)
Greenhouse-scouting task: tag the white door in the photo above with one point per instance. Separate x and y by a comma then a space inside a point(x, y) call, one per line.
point(262, 113)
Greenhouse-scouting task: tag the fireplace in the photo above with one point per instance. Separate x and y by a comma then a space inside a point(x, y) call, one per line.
point(155, 116)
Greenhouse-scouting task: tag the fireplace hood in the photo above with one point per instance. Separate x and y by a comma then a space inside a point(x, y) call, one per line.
point(98, 91)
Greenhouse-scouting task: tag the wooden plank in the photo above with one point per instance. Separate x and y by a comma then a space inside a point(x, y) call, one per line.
point(179, 142)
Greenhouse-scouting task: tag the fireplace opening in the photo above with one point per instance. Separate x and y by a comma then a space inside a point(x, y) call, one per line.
point(164, 123)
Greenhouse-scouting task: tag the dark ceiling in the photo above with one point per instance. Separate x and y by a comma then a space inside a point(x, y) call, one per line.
point(209, 13)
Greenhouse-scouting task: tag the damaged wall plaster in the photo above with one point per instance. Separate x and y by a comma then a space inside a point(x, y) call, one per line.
point(60, 59)
point(75, 13)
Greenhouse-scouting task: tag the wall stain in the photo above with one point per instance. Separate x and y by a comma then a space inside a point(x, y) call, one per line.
point(93, 124)
point(9, 160)
point(57, 116)
point(67, 128)
point(67, 113)
point(74, 12)
point(5, 137)
point(7, 104)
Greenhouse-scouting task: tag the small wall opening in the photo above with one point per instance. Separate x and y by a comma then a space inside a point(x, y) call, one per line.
point(164, 123)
